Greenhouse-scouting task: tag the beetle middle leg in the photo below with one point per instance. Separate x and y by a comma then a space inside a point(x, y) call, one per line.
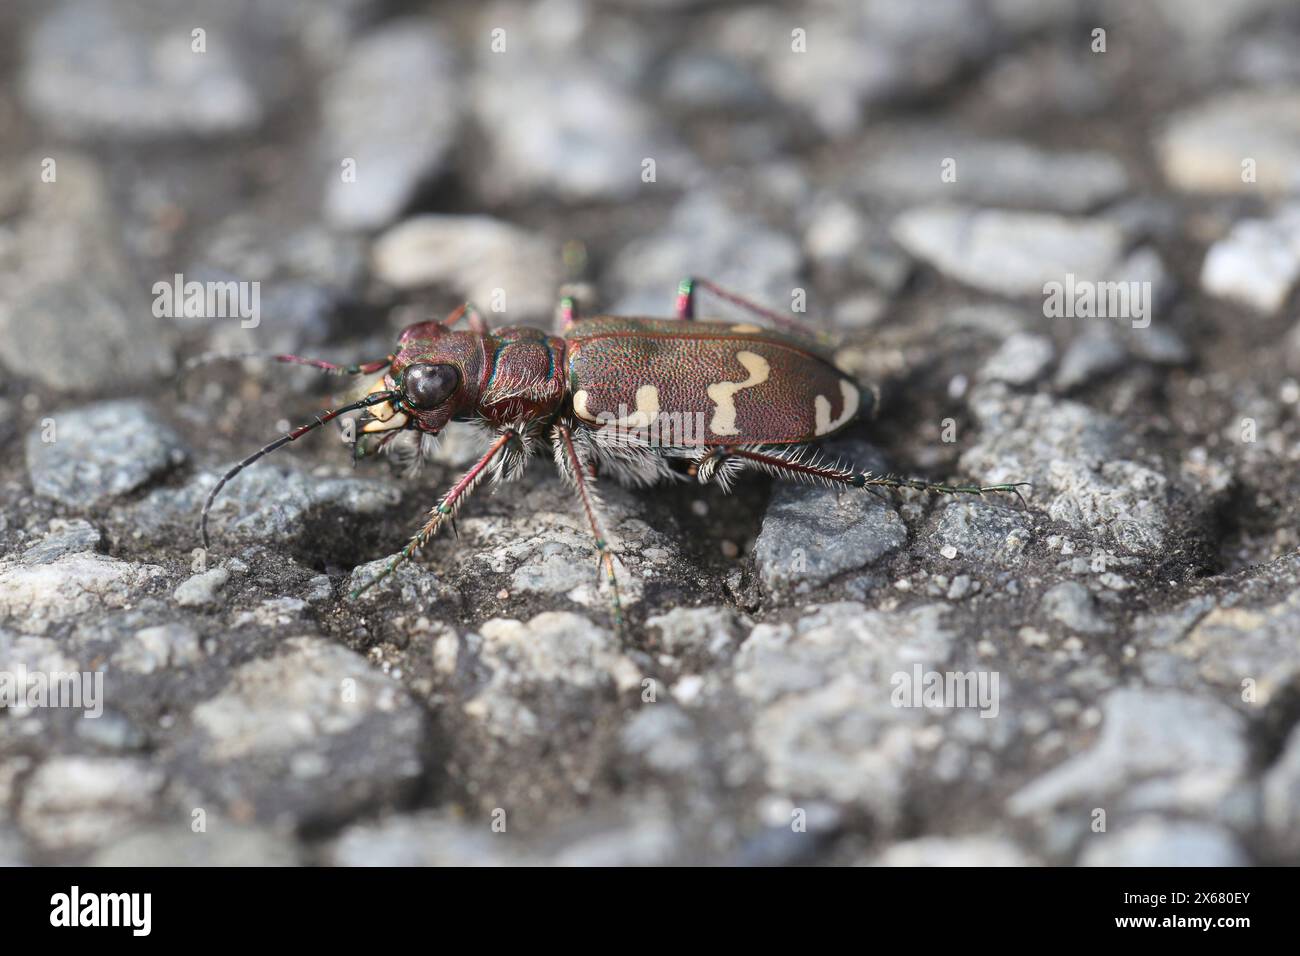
point(567, 313)
point(577, 473)
point(447, 506)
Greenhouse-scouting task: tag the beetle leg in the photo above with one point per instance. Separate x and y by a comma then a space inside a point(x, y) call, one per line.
point(576, 472)
point(569, 312)
point(716, 465)
point(686, 294)
point(360, 368)
point(471, 315)
point(444, 510)
point(685, 309)
point(805, 465)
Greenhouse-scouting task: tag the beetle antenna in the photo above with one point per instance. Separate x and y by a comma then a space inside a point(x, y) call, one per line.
point(283, 440)
point(362, 368)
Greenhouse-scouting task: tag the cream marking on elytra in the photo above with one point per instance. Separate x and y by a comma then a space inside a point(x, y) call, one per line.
point(746, 327)
point(723, 393)
point(822, 409)
point(647, 409)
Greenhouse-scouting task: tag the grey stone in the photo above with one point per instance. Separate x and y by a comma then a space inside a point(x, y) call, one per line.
point(201, 589)
point(128, 71)
point(1280, 796)
point(866, 54)
point(1159, 344)
point(824, 722)
point(1154, 842)
point(1257, 263)
point(426, 839)
point(1156, 750)
point(309, 734)
point(542, 540)
point(703, 80)
point(1089, 357)
point(1076, 463)
point(410, 585)
point(1202, 148)
point(1021, 360)
point(847, 244)
point(509, 273)
point(558, 648)
point(1208, 22)
point(35, 654)
point(909, 168)
point(12, 850)
point(538, 144)
point(954, 851)
point(665, 738)
point(1073, 605)
point(1225, 644)
point(72, 585)
point(152, 649)
point(393, 108)
point(812, 535)
point(983, 531)
point(272, 503)
point(707, 234)
point(111, 731)
point(74, 317)
point(219, 844)
point(74, 801)
point(64, 537)
point(100, 452)
point(300, 263)
point(1010, 253)
point(646, 842)
point(711, 633)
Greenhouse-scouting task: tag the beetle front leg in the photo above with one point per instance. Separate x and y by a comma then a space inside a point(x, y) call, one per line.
point(578, 474)
point(445, 510)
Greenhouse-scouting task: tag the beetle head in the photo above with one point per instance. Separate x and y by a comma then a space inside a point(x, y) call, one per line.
point(434, 375)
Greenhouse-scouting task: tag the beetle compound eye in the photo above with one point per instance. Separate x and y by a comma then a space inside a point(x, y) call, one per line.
point(428, 386)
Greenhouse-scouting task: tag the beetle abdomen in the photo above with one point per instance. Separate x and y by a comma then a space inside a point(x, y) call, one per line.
point(706, 383)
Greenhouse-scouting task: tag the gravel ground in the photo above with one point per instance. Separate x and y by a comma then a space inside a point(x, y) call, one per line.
point(922, 179)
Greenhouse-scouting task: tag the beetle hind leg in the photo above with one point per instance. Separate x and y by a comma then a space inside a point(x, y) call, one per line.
point(688, 293)
point(801, 463)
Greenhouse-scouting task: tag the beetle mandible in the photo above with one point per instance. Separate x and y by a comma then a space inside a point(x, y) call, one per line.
point(617, 396)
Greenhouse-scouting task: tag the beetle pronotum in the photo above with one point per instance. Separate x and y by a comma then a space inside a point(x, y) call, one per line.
point(617, 396)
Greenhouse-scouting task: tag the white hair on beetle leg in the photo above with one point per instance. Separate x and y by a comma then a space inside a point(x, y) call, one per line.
point(720, 469)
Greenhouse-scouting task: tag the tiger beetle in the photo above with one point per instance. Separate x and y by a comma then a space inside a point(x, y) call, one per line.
point(641, 400)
